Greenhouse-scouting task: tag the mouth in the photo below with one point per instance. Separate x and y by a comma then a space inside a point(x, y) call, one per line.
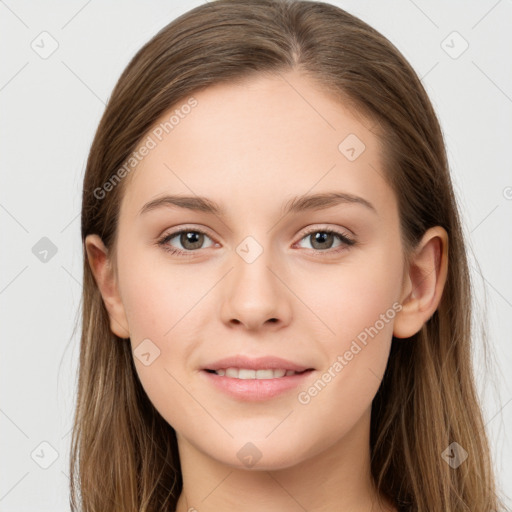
point(249, 385)
point(260, 374)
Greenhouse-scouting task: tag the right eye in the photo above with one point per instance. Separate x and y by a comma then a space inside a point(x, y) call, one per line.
point(190, 239)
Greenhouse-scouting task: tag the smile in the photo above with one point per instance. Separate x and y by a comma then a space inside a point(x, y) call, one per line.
point(245, 374)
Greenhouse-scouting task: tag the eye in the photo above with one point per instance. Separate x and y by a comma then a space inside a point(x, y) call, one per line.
point(193, 239)
point(321, 240)
point(190, 240)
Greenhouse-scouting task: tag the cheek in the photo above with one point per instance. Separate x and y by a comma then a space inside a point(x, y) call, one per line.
point(160, 307)
point(353, 295)
point(357, 304)
point(157, 295)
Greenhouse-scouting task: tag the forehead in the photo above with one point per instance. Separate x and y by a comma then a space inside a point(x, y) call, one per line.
point(245, 143)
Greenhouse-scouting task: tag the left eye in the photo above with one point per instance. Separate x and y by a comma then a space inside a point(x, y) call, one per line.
point(323, 239)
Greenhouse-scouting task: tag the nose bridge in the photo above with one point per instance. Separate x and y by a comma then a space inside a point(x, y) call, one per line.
point(254, 294)
point(251, 275)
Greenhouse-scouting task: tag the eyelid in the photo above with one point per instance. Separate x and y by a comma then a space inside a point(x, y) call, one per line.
point(176, 230)
point(327, 227)
point(306, 231)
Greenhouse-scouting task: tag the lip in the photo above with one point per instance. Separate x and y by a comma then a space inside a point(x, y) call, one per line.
point(255, 390)
point(258, 363)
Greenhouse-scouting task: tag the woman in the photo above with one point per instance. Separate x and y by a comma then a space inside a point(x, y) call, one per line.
point(276, 308)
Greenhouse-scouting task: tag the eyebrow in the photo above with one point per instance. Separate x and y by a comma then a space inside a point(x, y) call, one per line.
point(294, 205)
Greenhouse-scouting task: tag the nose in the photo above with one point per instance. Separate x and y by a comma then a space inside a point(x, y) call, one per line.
point(255, 294)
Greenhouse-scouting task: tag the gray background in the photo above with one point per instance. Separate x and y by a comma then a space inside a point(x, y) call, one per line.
point(50, 108)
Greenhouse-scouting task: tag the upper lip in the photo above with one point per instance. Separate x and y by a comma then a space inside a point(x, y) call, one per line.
point(258, 363)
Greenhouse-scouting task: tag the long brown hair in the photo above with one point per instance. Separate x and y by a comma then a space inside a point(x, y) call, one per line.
point(124, 455)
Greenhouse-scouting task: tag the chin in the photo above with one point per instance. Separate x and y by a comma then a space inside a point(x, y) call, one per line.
point(257, 457)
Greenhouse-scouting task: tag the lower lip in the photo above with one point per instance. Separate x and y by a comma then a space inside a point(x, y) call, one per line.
point(256, 389)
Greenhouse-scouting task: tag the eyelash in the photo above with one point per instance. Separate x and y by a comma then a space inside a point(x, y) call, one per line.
point(347, 241)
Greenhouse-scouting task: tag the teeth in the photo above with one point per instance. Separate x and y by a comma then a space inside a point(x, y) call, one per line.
point(245, 374)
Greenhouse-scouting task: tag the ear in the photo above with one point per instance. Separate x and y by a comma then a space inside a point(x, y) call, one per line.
point(104, 275)
point(423, 283)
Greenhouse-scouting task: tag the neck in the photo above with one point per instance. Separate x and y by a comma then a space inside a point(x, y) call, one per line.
point(335, 479)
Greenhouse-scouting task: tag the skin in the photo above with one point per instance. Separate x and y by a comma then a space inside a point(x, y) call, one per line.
point(250, 148)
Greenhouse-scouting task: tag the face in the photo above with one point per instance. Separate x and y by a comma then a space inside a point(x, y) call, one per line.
point(317, 285)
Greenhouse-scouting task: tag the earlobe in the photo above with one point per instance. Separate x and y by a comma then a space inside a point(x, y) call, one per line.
point(100, 264)
point(423, 283)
